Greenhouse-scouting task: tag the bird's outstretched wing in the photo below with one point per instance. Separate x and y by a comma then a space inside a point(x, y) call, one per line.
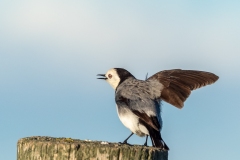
point(178, 84)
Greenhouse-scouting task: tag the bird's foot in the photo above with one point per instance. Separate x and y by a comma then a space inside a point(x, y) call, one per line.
point(125, 142)
point(145, 144)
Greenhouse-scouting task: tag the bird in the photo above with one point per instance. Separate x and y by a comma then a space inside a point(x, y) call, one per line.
point(138, 102)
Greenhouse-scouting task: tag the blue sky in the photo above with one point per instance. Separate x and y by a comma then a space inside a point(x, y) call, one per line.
point(51, 52)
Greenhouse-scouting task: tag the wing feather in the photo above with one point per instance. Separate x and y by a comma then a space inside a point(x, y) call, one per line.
point(178, 84)
point(152, 121)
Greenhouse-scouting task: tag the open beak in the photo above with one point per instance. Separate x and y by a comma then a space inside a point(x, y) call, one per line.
point(103, 76)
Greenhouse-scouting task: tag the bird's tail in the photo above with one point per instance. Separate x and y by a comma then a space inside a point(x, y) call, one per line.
point(157, 140)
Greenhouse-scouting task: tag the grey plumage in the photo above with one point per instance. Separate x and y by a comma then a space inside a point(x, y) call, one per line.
point(138, 102)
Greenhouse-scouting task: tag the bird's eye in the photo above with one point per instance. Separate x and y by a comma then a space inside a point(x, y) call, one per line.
point(110, 76)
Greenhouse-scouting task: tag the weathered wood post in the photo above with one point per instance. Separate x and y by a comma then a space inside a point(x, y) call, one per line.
point(49, 148)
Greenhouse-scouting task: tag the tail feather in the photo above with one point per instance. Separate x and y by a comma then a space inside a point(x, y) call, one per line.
point(157, 140)
point(159, 143)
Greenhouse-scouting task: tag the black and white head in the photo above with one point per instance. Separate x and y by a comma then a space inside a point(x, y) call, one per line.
point(115, 76)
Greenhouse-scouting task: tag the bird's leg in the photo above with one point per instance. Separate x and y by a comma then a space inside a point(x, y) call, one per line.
point(145, 144)
point(125, 141)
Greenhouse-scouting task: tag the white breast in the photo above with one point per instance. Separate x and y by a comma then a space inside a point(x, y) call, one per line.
point(131, 121)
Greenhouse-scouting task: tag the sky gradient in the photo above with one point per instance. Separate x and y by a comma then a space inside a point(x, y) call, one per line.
point(51, 52)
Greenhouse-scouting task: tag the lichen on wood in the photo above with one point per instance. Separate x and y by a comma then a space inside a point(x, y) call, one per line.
point(49, 148)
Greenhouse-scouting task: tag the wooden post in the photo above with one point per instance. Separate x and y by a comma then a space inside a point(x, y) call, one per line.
point(49, 148)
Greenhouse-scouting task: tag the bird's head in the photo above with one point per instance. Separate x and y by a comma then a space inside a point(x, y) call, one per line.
point(115, 76)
